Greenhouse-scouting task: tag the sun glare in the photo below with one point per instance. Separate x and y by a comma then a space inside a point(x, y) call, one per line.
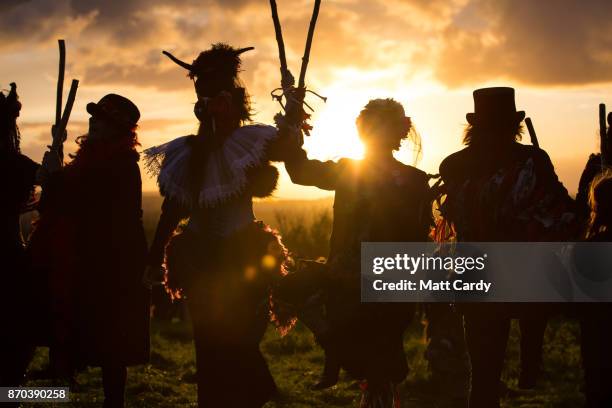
point(334, 134)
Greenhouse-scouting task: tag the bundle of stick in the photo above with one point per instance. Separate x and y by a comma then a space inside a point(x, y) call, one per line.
point(61, 119)
point(294, 97)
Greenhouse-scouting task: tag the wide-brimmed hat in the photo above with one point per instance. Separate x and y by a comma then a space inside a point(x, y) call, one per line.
point(494, 105)
point(117, 109)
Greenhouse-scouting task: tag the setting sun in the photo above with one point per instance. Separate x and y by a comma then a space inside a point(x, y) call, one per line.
point(334, 134)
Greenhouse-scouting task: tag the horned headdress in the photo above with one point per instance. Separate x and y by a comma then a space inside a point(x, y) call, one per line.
point(216, 70)
point(221, 58)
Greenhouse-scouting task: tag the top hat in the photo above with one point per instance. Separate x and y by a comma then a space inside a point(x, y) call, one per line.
point(493, 105)
point(117, 109)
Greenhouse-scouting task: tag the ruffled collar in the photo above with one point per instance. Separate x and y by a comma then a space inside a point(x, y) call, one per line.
point(223, 170)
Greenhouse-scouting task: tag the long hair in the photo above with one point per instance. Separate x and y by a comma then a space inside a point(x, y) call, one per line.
point(600, 203)
point(88, 149)
point(382, 122)
point(478, 134)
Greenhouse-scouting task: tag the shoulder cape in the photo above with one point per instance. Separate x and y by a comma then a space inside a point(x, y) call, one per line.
point(224, 173)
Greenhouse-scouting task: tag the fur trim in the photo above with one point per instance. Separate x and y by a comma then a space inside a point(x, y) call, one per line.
point(252, 261)
point(262, 180)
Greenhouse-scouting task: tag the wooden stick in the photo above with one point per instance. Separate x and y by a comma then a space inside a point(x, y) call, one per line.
point(70, 102)
point(603, 142)
point(58, 140)
point(60, 81)
point(532, 133)
point(306, 57)
point(279, 40)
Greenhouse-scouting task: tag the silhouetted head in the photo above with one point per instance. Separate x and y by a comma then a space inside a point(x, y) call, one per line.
point(215, 71)
point(495, 119)
point(382, 125)
point(600, 202)
point(114, 120)
point(9, 112)
point(113, 116)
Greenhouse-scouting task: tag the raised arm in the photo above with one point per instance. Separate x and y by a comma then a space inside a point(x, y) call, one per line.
point(321, 174)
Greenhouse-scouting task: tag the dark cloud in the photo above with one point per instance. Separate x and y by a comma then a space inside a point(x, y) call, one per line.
point(138, 75)
point(460, 42)
point(32, 21)
point(533, 42)
point(122, 21)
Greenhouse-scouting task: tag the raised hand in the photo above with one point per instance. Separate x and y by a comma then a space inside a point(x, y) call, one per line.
point(52, 162)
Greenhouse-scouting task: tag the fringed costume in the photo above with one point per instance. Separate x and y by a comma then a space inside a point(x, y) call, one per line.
point(222, 260)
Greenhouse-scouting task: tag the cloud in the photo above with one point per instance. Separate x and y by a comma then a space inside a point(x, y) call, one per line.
point(456, 42)
point(566, 42)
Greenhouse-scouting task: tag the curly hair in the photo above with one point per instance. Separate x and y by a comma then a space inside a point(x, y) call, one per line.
point(600, 203)
point(383, 122)
point(126, 142)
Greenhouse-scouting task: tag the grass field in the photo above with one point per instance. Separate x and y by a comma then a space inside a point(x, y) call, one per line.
point(295, 360)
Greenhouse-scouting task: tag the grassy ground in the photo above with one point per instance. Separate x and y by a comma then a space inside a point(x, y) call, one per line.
point(295, 362)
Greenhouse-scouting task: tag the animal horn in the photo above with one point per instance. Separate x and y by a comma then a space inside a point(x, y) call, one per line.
point(177, 61)
point(240, 51)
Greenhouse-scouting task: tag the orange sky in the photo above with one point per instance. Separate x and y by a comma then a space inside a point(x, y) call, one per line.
point(429, 55)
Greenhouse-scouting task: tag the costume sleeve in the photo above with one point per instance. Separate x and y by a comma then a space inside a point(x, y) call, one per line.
point(277, 148)
point(127, 205)
point(559, 205)
point(322, 174)
point(171, 214)
point(552, 180)
point(127, 231)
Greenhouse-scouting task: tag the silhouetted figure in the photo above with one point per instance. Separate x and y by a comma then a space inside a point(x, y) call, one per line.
point(376, 199)
point(223, 261)
point(499, 190)
point(595, 194)
point(90, 243)
point(18, 175)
